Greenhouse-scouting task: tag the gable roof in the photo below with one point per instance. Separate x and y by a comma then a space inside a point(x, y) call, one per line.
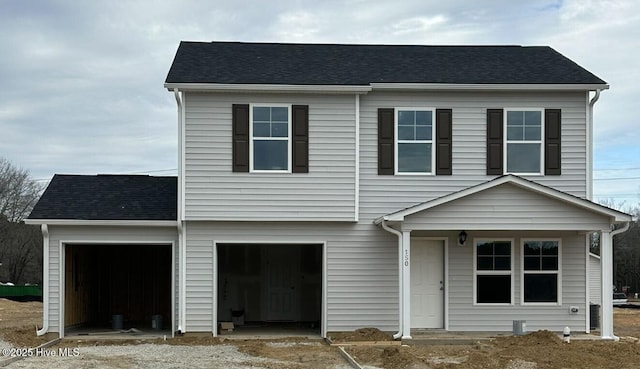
point(615, 215)
point(108, 197)
point(340, 64)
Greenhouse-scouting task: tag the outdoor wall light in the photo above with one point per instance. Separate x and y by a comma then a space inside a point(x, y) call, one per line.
point(462, 238)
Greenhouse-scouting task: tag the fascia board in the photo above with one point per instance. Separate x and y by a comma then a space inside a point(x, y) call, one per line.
point(126, 223)
point(489, 87)
point(237, 87)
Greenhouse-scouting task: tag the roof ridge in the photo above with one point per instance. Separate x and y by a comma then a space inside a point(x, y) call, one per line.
point(347, 44)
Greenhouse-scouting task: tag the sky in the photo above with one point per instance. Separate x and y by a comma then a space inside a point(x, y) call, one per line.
point(82, 81)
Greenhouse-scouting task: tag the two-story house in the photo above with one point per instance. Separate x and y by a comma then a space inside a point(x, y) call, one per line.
point(336, 187)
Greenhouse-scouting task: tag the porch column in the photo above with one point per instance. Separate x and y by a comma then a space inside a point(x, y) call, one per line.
point(406, 284)
point(606, 268)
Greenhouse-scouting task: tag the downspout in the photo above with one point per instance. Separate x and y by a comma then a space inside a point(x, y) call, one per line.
point(592, 102)
point(400, 281)
point(45, 280)
point(620, 230)
point(182, 255)
point(357, 161)
point(181, 148)
point(182, 283)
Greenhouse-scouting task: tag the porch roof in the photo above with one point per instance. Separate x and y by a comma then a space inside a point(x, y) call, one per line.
point(615, 216)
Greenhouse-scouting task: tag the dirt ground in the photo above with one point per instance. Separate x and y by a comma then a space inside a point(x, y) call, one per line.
point(538, 350)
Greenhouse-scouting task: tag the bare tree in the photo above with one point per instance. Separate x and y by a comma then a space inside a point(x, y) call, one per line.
point(626, 250)
point(20, 244)
point(21, 255)
point(18, 192)
point(626, 256)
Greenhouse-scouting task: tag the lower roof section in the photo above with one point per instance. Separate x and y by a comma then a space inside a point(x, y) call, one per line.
point(106, 199)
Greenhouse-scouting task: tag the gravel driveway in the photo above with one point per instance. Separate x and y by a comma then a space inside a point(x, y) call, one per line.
point(146, 356)
point(157, 356)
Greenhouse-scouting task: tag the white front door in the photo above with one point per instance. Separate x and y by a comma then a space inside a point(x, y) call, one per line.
point(427, 284)
point(282, 270)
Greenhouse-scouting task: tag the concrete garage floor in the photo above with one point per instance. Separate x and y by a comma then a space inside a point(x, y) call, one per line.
point(99, 333)
point(271, 332)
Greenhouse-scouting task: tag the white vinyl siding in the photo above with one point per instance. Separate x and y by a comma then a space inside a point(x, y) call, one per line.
point(380, 195)
point(506, 207)
point(464, 315)
point(103, 235)
point(362, 260)
point(214, 192)
point(362, 269)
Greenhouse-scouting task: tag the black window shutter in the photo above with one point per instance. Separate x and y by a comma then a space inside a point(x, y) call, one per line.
point(443, 141)
point(385, 141)
point(495, 126)
point(240, 119)
point(300, 139)
point(552, 148)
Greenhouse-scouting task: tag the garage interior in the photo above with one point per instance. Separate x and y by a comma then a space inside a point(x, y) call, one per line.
point(111, 285)
point(270, 287)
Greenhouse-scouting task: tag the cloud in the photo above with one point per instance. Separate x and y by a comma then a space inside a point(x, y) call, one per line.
point(418, 24)
point(296, 26)
point(82, 81)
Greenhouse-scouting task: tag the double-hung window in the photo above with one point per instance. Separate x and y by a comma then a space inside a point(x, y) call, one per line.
point(270, 133)
point(540, 268)
point(524, 141)
point(415, 147)
point(493, 267)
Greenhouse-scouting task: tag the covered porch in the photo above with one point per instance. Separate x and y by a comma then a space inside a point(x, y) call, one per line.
point(502, 251)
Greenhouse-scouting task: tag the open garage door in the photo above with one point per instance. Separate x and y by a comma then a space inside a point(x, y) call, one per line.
point(117, 287)
point(266, 287)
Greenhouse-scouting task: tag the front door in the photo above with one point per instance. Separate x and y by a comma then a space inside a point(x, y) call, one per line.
point(427, 284)
point(282, 269)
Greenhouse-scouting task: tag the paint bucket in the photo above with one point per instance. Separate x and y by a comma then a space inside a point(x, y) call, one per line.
point(156, 322)
point(116, 322)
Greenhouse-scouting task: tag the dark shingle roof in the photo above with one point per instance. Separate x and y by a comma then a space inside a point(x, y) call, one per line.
point(334, 64)
point(108, 197)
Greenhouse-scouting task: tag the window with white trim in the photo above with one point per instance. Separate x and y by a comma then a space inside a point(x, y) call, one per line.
point(270, 134)
point(540, 268)
point(414, 144)
point(523, 146)
point(493, 265)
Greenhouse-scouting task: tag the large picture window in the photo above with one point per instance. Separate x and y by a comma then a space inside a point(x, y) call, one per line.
point(415, 131)
point(524, 141)
point(493, 271)
point(270, 135)
point(541, 263)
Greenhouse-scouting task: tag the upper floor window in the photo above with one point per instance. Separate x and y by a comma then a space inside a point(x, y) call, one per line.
point(524, 141)
point(415, 131)
point(270, 138)
point(414, 141)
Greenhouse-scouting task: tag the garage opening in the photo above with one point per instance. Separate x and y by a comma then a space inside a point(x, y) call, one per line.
point(270, 288)
point(117, 289)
